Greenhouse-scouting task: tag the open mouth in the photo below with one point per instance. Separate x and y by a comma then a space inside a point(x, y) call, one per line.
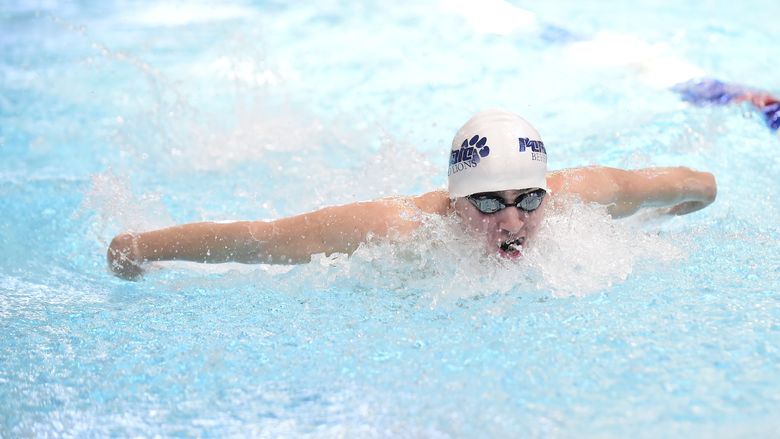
point(512, 247)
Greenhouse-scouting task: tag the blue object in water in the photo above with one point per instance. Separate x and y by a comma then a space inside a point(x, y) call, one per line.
point(711, 91)
point(772, 114)
point(708, 91)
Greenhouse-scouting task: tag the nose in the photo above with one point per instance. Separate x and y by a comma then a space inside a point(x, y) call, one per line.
point(511, 220)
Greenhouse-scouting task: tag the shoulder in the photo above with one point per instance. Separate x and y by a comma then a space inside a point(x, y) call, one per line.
point(435, 202)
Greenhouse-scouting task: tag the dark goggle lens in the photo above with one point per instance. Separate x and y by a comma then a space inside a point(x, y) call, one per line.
point(489, 205)
point(528, 202)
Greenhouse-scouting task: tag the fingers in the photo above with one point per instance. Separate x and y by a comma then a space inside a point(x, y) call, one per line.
point(123, 257)
point(687, 207)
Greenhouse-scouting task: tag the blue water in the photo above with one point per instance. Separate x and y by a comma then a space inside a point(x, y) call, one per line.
point(145, 115)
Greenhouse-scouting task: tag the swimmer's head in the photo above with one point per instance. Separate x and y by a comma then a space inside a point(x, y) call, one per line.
point(493, 151)
point(497, 179)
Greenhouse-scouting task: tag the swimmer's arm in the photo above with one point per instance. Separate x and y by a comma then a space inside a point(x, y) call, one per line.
point(292, 240)
point(678, 190)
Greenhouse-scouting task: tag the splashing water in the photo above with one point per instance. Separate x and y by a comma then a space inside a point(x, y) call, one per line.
point(580, 250)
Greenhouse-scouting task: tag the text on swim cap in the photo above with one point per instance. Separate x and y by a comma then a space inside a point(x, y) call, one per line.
point(538, 152)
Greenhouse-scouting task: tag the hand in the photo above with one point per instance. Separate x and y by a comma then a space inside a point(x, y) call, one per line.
point(124, 258)
point(761, 99)
point(700, 189)
point(686, 207)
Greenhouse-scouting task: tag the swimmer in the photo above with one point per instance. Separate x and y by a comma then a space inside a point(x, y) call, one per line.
point(499, 188)
point(712, 91)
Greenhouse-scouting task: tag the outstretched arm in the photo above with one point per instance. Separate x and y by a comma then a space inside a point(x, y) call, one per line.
point(292, 240)
point(679, 190)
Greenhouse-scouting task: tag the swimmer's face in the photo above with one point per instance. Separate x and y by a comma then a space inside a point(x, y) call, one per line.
point(506, 231)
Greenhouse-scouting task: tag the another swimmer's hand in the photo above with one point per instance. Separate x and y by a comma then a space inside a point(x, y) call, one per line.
point(124, 258)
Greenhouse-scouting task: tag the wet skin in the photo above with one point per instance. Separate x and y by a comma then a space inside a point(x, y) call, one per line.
point(506, 231)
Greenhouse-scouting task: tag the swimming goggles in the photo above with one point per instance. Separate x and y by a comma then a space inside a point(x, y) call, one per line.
point(490, 203)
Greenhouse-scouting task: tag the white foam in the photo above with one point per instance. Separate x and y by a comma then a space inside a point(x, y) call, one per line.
point(581, 250)
point(657, 64)
point(242, 69)
point(493, 16)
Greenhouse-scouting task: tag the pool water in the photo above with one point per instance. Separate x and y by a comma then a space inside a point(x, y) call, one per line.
point(144, 115)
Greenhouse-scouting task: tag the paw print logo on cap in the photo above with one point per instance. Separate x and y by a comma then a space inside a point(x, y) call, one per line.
point(470, 152)
point(480, 143)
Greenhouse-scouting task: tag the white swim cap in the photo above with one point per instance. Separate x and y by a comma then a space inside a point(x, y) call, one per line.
point(496, 151)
